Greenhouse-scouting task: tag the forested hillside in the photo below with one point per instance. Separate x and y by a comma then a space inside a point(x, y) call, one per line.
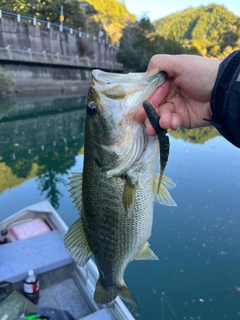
point(140, 42)
point(113, 16)
point(212, 30)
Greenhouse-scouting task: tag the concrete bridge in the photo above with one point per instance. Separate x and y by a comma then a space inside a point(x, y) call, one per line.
point(39, 55)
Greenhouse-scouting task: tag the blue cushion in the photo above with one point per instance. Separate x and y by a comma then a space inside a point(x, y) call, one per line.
point(41, 253)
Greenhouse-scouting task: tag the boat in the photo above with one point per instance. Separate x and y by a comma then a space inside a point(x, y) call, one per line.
point(35, 242)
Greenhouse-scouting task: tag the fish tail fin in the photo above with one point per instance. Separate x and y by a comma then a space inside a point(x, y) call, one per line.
point(125, 294)
point(102, 295)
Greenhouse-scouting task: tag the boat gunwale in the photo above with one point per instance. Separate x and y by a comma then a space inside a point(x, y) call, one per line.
point(84, 277)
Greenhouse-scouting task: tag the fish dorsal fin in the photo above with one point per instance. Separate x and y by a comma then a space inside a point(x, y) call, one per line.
point(146, 253)
point(76, 243)
point(163, 196)
point(125, 294)
point(102, 295)
point(76, 189)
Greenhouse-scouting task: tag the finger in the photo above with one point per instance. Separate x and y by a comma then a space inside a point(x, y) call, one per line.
point(141, 115)
point(155, 99)
point(176, 122)
point(170, 120)
point(172, 64)
point(160, 93)
point(167, 121)
point(165, 113)
point(149, 129)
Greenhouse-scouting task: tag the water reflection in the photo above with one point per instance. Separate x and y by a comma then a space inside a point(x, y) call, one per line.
point(42, 142)
point(197, 242)
point(41, 136)
point(197, 135)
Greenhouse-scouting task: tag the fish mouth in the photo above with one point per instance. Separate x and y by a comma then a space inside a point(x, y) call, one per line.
point(108, 78)
point(119, 97)
point(133, 88)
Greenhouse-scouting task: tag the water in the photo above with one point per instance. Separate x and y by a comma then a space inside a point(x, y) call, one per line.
point(197, 242)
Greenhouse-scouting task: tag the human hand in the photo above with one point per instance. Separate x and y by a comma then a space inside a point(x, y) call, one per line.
point(184, 98)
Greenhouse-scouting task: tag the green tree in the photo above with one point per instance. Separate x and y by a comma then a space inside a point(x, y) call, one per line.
point(74, 16)
point(112, 16)
point(207, 29)
point(140, 42)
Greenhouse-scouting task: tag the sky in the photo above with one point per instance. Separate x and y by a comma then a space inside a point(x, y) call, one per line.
point(156, 9)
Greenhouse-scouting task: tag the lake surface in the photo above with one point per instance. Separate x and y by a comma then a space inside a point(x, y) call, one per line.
point(197, 242)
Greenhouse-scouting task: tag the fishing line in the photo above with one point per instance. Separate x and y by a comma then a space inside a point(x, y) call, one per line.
point(162, 306)
point(164, 298)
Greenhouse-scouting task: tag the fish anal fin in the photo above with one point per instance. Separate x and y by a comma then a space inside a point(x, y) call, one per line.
point(126, 295)
point(102, 295)
point(76, 243)
point(146, 253)
point(163, 196)
point(129, 194)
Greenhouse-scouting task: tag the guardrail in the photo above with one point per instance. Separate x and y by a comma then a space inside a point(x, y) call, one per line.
point(49, 25)
point(57, 59)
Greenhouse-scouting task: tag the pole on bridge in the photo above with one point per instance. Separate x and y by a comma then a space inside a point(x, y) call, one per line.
point(61, 19)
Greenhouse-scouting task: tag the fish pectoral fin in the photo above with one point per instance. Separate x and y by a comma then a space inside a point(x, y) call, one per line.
point(163, 196)
point(125, 294)
point(146, 253)
point(102, 295)
point(76, 243)
point(76, 189)
point(129, 195)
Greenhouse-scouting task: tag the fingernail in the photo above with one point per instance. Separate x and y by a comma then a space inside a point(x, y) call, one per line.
point(151, 72)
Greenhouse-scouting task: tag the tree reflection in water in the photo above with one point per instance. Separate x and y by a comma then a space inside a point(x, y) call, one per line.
point(42, 138)
point(53, 164)
point(43, 144)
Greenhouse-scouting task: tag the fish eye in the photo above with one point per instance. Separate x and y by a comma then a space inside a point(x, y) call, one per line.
point(91, 108)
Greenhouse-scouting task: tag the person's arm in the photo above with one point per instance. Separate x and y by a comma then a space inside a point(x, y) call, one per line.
point(197, 92)
point(225, 99)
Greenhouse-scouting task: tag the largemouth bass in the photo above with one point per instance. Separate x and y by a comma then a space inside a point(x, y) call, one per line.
point(114, 194)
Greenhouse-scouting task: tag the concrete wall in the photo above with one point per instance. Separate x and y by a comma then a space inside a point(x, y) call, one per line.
point(50, 59)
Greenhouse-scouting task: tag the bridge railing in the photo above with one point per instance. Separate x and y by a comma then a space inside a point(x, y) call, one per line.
point(49, 25)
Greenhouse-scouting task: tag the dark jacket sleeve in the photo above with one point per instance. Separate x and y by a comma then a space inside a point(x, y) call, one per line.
point(225, 100)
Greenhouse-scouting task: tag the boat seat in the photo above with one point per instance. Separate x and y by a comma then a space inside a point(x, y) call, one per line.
point(41, 253)
point(102, 314)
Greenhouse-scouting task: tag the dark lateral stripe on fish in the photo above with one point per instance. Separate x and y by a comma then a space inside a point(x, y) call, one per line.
point(162, 137)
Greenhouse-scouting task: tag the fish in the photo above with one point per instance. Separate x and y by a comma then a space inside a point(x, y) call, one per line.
point(114, 194)
point(163, 139)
